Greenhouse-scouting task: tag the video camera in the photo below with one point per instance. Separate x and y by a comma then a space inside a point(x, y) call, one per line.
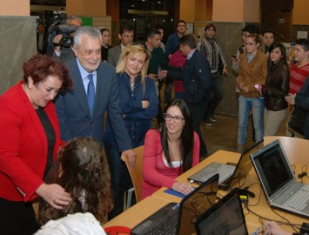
point(61, 27)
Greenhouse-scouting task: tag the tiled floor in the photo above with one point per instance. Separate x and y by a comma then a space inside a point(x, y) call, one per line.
point(223, 134)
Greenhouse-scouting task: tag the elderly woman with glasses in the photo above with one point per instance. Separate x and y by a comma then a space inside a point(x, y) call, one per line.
point(170, 151)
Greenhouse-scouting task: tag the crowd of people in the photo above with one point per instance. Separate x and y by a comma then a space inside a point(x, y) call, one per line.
point(71, 103)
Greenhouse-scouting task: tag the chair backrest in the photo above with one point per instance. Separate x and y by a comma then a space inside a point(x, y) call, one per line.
point(137, 173)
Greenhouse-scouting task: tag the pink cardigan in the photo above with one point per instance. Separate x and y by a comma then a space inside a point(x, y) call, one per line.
point(155, 173)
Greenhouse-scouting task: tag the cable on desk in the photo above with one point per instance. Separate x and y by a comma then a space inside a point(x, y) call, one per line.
point(293, 226)
point(303, 173)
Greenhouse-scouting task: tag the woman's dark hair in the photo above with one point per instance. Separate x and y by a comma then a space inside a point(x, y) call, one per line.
point(186, 137)
point(39, 67)
point(83, 172)
point(282, 61)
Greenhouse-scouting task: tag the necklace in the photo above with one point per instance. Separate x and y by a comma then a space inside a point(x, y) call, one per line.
point(132, 85)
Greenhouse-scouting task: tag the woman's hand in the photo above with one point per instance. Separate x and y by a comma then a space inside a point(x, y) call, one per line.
point(54, 195)
point(243, 87)
point(145, 104)
point(184, 188)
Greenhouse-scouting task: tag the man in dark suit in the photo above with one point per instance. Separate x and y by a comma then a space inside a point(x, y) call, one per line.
point(77, 115)
point(42, 39)
point(196, 82)
point(126, 36)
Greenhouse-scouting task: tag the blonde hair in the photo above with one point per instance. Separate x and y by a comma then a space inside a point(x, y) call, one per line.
point(134, 49)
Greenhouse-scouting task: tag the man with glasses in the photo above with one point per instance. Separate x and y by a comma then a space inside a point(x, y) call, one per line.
point(126, 36)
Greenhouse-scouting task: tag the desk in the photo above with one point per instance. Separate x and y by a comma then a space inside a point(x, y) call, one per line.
point(137, 213)
point(296, 149)
point(259, 205)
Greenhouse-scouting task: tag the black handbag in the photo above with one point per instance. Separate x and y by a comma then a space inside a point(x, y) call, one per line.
point(297, 121)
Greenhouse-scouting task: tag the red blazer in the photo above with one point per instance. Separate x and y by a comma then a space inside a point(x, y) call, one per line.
point(23, 145)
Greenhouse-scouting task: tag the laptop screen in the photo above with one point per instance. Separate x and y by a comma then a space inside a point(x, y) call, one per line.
point(272, 167)
point(225, 217)
point(195, 204)
point(244, 165)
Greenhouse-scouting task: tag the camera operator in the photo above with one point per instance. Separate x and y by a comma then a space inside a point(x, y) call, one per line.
point(62, 52)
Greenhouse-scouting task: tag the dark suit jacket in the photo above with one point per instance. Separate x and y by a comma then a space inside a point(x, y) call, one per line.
point(23, 145)
point(196, 78)
point(73, 111)
point(113, 55)
point(67, 54)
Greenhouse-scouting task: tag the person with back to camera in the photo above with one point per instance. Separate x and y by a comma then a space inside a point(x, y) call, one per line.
point(139, 104)
point(252, 73)
point(275, 89)
point(29, 143)
point(171, 150)
point(82, 169)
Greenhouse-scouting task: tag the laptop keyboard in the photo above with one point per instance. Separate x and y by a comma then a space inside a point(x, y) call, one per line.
point(166, 226)
point(299, 201)
point(224, 172)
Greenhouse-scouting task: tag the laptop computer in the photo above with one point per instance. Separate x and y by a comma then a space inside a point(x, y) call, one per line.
point(278, 180)
point(225, 217)
point(179, 218)
point(228, 174)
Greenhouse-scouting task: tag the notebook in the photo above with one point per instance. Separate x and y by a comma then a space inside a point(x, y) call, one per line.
point(225, 217)
point(179, 218)
point(227, 172)
point(278, 180)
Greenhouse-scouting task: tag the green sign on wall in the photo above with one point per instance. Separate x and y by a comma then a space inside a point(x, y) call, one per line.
point(87, 21)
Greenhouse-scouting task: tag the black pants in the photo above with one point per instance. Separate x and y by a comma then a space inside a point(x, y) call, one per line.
point(17, 218)
point(198, 112)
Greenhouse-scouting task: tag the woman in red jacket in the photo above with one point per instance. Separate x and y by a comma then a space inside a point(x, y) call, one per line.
point(29, 143)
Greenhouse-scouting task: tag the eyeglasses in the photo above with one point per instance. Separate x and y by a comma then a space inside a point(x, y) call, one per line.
point(168, 117)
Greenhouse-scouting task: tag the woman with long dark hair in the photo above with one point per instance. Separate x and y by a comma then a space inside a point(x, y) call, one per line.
point(275, 90)
point(170, 151)
point(82, 169)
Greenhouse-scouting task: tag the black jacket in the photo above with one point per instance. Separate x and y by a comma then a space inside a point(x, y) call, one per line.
point(277, 87)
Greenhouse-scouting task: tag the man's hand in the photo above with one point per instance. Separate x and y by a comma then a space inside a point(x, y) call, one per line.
point(131, 155)
point(153, 76)
point(56, 40)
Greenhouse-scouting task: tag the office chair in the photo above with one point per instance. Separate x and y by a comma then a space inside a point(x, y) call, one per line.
point(136, 176)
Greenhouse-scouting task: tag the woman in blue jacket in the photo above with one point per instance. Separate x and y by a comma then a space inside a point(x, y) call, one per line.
point(139, 105)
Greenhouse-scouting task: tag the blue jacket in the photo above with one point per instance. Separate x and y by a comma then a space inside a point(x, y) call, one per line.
point(302, 100)
point(137, 120)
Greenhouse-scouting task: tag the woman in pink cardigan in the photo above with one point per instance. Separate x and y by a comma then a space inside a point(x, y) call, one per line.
point(170, 151)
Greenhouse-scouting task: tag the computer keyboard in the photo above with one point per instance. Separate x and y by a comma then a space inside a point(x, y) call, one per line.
point(299, 201)
point(166, 226)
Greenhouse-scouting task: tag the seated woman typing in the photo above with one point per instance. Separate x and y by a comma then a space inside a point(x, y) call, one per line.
point(170, 151)
point(82, 169)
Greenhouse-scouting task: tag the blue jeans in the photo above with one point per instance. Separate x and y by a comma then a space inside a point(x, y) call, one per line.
point(245, 105)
